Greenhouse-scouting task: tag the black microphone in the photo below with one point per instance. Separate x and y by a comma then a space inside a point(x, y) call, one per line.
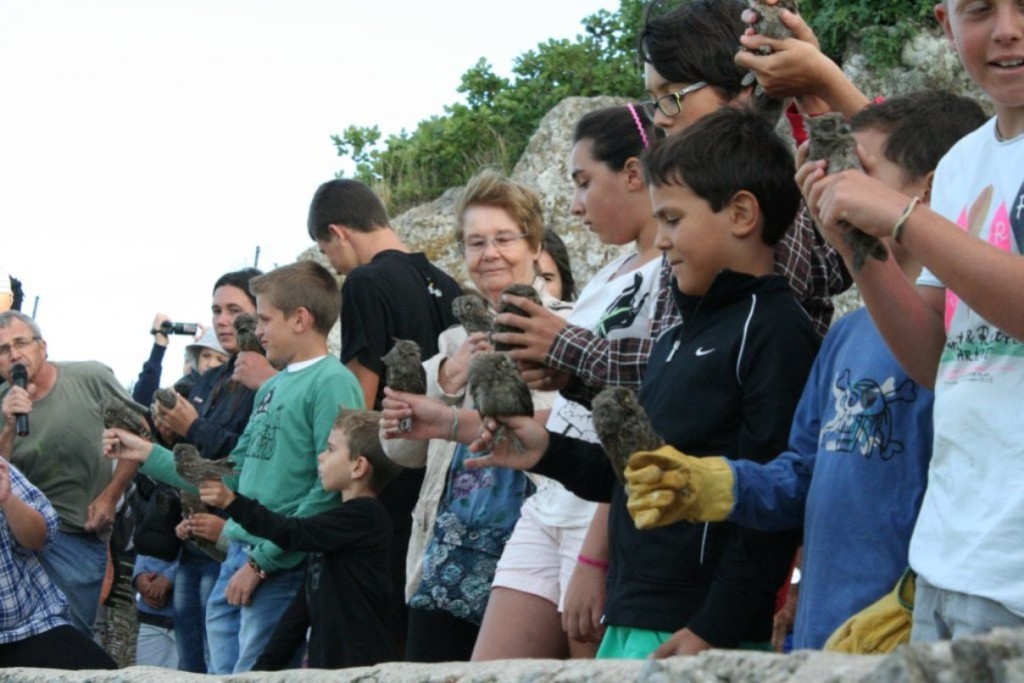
point(19, 377)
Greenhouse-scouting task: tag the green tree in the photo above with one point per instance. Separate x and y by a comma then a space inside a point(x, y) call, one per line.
point(879, 28)
point(494, 124)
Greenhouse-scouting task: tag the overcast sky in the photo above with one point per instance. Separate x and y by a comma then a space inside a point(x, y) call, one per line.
point(148, 146)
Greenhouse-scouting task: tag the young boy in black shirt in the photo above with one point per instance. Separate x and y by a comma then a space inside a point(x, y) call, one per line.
point(347, 585)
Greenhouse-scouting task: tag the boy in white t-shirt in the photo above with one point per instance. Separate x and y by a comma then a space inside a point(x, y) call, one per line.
point(959, 331)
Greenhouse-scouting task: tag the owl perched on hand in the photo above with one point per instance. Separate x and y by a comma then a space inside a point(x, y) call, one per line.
point(191, 504)
point(472, 310)
point(623, 427)
point(525, 291)
point(404, 372)
point(499, 392)
point(245, 333)
point(832, 140)
point(769, 23)
point(118, 413)
point(193, 468)
point(167, 398)
point(404, 367)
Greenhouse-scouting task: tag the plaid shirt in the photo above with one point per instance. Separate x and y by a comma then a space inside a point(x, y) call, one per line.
point(29, 603)
point(814, 270)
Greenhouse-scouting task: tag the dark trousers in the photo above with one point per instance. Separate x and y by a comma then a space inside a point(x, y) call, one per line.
point(64, 647)
point(439, 637)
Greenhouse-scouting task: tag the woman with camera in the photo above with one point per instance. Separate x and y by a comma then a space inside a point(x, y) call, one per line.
point(210, 416)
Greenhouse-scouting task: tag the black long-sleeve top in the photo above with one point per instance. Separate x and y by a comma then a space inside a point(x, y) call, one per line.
point(724, 382)
point(347, 583)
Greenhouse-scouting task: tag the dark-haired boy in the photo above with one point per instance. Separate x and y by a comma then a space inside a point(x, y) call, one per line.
point(389, 293)
point(723, 382)
point(347, 583)
point(296, 306)
point(856, 467)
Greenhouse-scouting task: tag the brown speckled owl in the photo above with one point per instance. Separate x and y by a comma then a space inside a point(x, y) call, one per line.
point(167, 398)
point(472, 310)
point(769, 23)
point(622, 426)
point(192, 505)
point(404, 372)
point(832, 140)
point(245, 333)
point(193, 468)
point(525, 291)
point(118, 413)
point(498, 391)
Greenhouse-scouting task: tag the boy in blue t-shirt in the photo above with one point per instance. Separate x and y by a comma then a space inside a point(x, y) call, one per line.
point(855, 471)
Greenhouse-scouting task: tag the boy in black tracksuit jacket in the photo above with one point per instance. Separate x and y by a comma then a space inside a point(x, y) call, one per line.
point(345, 599)
point(724, 382)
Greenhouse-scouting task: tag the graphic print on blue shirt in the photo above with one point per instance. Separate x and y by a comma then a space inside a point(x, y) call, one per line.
point(863, 422)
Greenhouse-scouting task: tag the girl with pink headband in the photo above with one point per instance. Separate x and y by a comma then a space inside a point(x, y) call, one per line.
point(548, 592)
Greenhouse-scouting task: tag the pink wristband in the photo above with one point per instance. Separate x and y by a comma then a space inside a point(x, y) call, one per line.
point(591, 562)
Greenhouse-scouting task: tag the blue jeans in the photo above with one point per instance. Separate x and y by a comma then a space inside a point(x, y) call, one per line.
point(941, 614)
point(155, 646)
point(238, 634)
point(77, 563)
point(192, 587)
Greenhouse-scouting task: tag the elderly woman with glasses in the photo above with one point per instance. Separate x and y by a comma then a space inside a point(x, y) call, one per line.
point(463, 518)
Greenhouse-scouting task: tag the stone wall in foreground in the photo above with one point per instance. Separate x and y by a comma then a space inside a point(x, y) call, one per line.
point(994, 658)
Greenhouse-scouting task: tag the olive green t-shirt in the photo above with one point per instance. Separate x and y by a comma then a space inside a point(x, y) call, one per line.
point(63, 454)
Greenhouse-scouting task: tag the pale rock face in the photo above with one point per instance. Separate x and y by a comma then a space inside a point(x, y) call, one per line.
point(927, 62)
point(544, 166)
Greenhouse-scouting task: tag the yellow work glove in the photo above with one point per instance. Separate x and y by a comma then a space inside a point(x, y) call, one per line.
point(667, 486)
point(879, 627)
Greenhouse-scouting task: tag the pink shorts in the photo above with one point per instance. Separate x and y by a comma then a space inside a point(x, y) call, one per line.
point(539, 559)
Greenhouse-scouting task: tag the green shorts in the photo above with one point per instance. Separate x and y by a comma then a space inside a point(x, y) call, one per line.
point(626, 642)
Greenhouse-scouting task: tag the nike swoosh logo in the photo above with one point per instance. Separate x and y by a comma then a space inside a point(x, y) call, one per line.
point(701, 351)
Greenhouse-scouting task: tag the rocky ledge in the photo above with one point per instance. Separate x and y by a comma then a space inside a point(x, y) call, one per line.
point(997, 657)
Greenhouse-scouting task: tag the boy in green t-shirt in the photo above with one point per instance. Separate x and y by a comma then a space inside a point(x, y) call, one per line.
point(276, 457)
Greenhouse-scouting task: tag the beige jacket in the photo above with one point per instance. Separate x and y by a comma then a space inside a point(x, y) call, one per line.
point(436, 455)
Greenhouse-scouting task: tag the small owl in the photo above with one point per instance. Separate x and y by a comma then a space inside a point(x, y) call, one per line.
point(245, 333)
point(498, 391)
point(124, 415)
point(832, 140)
point(166, 398)
point(472, 310)
point(404, 372)
point(193, 468)
point(769, 22)
point(517, 290)
point(623, 427)
point(192, 505)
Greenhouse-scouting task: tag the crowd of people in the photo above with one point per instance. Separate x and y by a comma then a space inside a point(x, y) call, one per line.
point(848, 486)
